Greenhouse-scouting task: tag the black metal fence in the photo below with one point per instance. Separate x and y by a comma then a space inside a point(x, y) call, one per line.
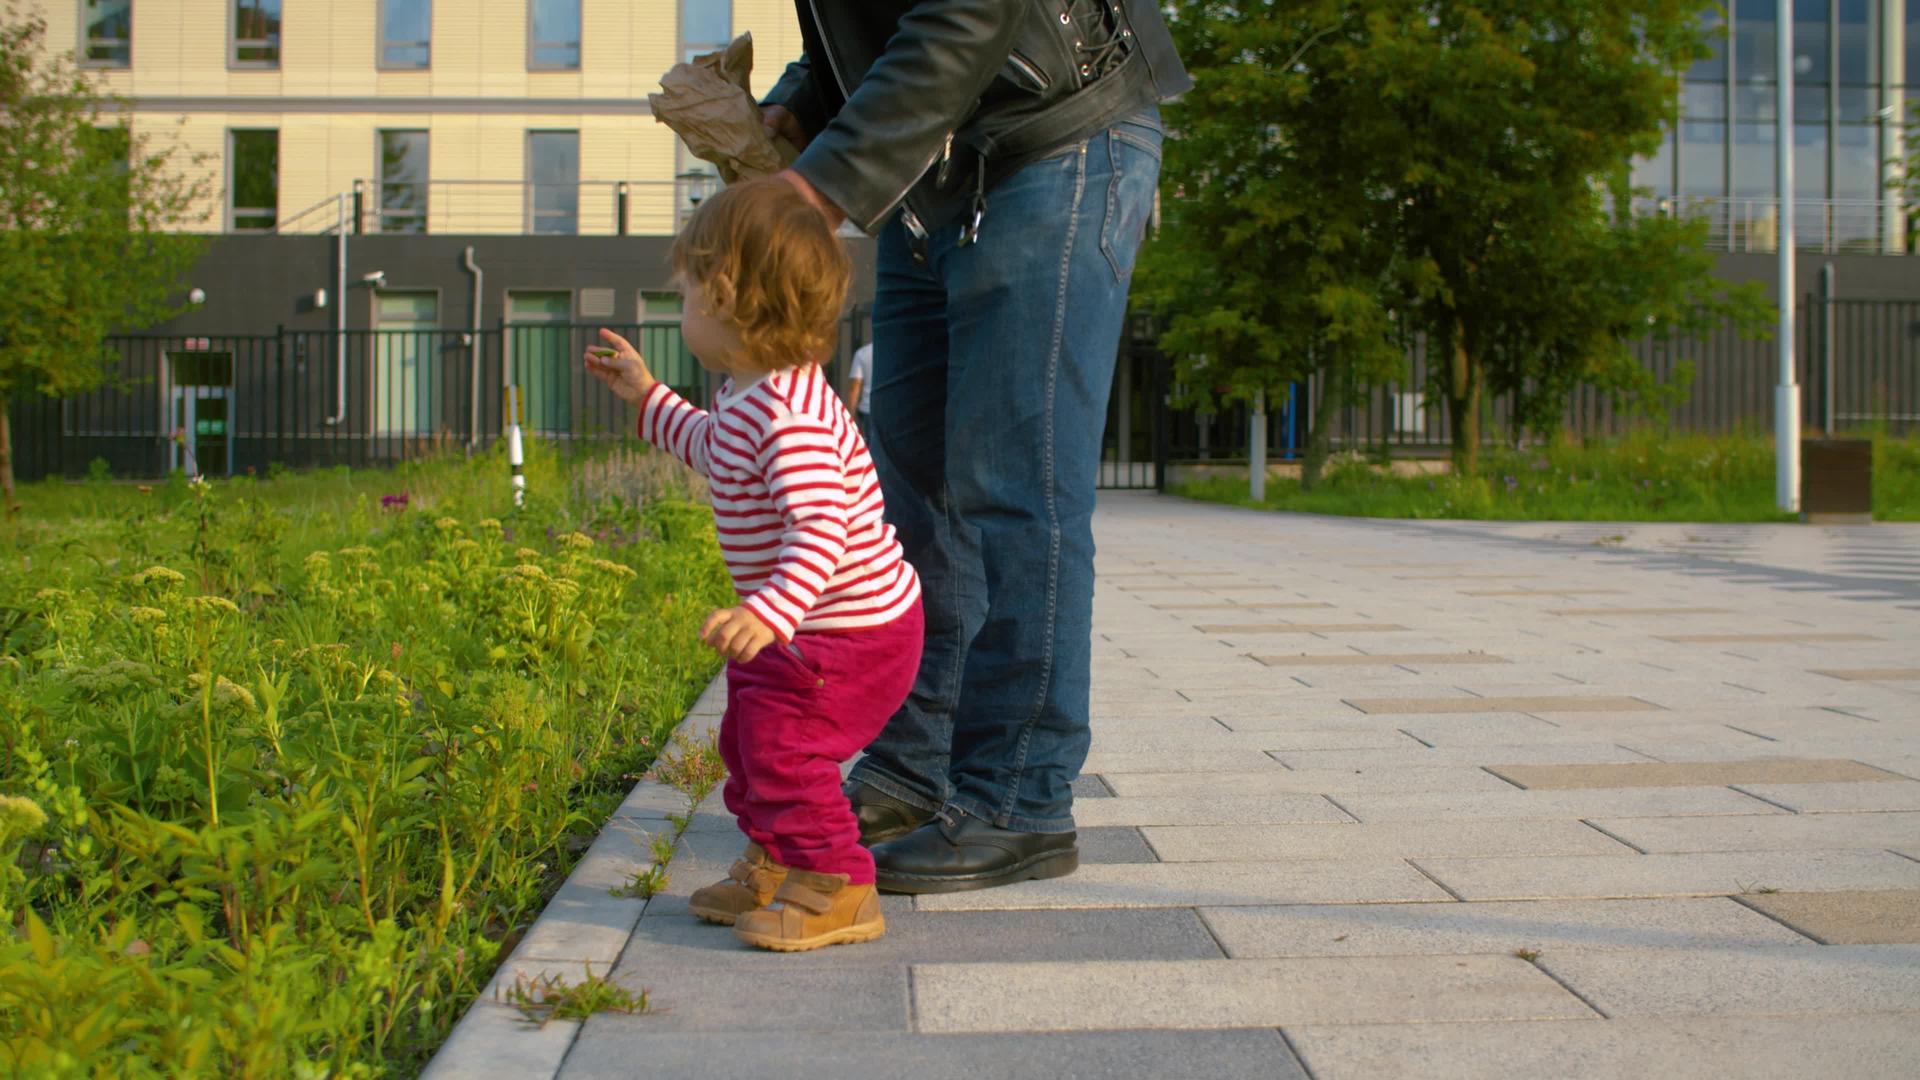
point(1857, 363)
point(231, 404)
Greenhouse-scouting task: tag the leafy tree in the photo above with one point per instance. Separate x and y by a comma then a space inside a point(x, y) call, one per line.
point(1345, 176)
point(88, 211)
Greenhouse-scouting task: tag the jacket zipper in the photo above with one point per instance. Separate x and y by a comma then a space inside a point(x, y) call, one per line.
point(826, 45)
point(1027, 67)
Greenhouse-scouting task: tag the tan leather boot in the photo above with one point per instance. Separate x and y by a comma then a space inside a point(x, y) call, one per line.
point(811, 910)
point(749, 886)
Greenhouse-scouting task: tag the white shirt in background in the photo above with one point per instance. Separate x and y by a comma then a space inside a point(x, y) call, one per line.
point(862, 369)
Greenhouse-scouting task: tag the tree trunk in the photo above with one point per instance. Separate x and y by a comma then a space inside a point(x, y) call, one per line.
point(1463, 402)
point(1320, 435)
point(6, 456)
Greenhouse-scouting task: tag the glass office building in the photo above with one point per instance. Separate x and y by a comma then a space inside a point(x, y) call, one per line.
point(1856, 73)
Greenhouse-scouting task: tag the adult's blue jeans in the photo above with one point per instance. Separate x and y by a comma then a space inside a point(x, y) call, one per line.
point(992, 367)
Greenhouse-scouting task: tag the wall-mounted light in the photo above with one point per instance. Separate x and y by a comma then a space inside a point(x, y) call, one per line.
point(196, 295)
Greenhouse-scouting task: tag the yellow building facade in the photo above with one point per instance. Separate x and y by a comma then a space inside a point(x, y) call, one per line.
point(450, 116)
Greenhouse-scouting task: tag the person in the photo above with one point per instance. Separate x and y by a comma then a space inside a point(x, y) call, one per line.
point(860, 389)
point(1006, 153)
point(824, 644)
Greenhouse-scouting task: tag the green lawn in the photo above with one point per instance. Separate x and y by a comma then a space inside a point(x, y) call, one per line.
point(290, 763)
point(1641, 478)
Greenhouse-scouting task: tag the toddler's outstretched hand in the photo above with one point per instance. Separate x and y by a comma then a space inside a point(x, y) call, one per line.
point(618, 364)
point(736, 633)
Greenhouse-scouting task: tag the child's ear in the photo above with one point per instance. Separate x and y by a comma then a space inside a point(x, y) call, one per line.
point(719, 290)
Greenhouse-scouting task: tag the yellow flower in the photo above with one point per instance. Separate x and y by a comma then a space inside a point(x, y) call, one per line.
point(464, 544)
point(225, 690)
point(491, 525)
point(144, 615)
point(578, 541)
point(614, 568)
point(318, 560)
point(525, 554)
point(213, 605)
point(20, 816)
point(529, 571)
point(446, 523)
point(357, 551)
point(161, 575)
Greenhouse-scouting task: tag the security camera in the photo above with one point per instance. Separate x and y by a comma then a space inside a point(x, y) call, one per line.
point(376, 277)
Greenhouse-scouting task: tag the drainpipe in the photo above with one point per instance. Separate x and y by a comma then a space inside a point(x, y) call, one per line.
point(339, 311)
point(473, 380)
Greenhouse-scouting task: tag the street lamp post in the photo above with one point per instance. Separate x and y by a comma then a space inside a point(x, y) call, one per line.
point(1786, 396)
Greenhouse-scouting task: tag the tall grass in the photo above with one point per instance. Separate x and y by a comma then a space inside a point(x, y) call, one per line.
point(1643, 477)
point(289, 762)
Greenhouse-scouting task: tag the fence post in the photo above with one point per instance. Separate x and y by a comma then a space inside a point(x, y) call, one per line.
point(1257, 450)
point(620, 207)
point(1826, 349)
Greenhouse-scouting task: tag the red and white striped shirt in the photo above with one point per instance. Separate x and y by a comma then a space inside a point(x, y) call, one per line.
point(795, 499)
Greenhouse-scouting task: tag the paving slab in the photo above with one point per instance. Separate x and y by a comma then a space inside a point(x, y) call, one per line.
point(1494, 928)
point(1489, 754)
point(1242, 629)
point(1872, 1047)
point(1568, 703)
point(1702, 874)
point(1840, 798)
point(1329, 881)
point(1204, 994)
point(1395, 840)
point(1210, 810)
point(1766, 832)
point(615, 1051)
point(1284, 781)
point(1766, 639)
point(1692, 774)
point(681, 942)
point(1723, 982)
point(849, 999)
point(1623, 612)
point(1515, 803)
point(1859, 917)
point(494, 1040)
point(1889, 674)
point(1308, 660)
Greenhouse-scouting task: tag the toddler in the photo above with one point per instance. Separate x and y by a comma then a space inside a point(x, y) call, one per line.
point(825, 642)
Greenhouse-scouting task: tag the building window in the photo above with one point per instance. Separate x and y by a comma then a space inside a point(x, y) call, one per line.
point(406, 34)
point(705, 26)
point(256, 33)
point(407, 385)
point(106, 33)
point(403, 181)
point(253, 180)
point(553, 35)
point(553, 182)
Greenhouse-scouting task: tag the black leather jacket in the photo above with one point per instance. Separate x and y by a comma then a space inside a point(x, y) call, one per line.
point(935, 101)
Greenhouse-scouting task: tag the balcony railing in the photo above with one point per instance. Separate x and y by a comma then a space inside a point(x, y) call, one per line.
point(1828, 226)
point(510, 208)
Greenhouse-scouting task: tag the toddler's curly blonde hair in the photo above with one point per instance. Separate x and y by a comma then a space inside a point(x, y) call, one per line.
point(772, 268)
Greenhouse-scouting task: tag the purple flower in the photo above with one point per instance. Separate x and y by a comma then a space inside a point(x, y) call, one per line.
point(394, 502)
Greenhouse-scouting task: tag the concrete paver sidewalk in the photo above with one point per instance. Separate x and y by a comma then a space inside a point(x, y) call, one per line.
point(1608, 800)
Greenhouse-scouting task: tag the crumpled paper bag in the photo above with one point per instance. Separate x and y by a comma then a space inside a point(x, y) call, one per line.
point(709, 103)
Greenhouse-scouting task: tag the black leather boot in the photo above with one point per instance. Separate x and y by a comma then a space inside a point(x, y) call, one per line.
point(957, 853)
point(883, 817)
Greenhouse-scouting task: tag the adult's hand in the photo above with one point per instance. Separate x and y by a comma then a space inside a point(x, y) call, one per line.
point(833, 213)
point(784, 125)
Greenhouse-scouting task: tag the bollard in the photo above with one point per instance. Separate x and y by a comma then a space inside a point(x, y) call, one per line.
point(516, 460)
